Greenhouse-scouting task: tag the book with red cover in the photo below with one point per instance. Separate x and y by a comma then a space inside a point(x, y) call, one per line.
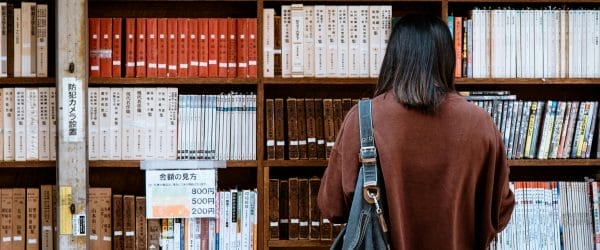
point(232, 48)
point(152, 47)
point(105, 47)
point(222, 58)
point(161, 45)
point(213, 47)
point(130, 47)
point(192, 43)
point(140, 47)
point(252, 48)
point(94, 59)
point(172, 47)
point(116, 46)
point(182, 47)
point(458, 39)
point(203, 47)
point(242, 47)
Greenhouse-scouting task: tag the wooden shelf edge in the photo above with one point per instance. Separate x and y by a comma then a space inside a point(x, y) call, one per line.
point(300, 243)
point(136, 164)
point(528, 1)
point(173, 81)
point(27, 80)
point(295, 163)
point(513, 163)
point(528, 81)
point(314, 80)
point(27, 164)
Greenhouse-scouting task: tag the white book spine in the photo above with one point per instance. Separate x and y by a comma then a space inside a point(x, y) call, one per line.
point(8, 97)
point(103, 124)
point(44, 125)
point(93, 124)
point(149, 109)
point(172, 96)
point(53, 125)
point(246, 221)
point(17, 42)
point(162, 121)
point(563, 46)
point(138, 124)
point(180, 130)
point(42, 40)
point(127, 119)
point(309, 41)
point(2, 130)
point(363, 40)
point(343, 56)
point(116, 121)
point(297, 40)
point(353, 41)
point(3, 39)
point(331, 52)
point(32, 123)
point(28, 39)
point(20, 125)
point(374, 40)
point(320, 41)
point(286, 43)
point(386, 30)
point(253, 129)
point(268, 42)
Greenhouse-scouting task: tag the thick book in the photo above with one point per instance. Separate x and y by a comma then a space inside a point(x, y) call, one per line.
point(213, 47)
point(182, 47)
point(19, 218)
point(141, 226)
point(53, 125)
point(117, 221)
point(105, 219)
point(297, 40)
point(28, 39)
point(152, 47)
point(286, 41)
point(105, 52)
point(172, 47)
point(303, 208)
point(268, 41)
point(311, 133)
point(6, 14)
point(129, 222)
point(292, 129)
point(192, 46)
point(41, 40)
point(203, 47)
point(232, 53)
point(301, 121)
point(94, 47)
point(154, 234)
point(329, 125)
point(279, 129)
point(104, 109)
point(222, 48)
point(277, 46)
point(20, 124)
point(6, 222)
point(252, 47)
point(140, 47)
point(32, 235)
point(242, 47)
point(162, 47)
point(32, 123)
point(17, 42)
point(130, 51)
point(314, 211)
point(309, 41)
point(44, 125)
point(284, 218)
point(338, 116)
point(270, 124)
point(115, 115)
point(46, 216)
point(117, 35)
point(320, 128)
point(294, 216)
point(274, 209)
point(94, 222)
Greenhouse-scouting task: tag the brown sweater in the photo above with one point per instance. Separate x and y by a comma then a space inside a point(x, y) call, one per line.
point(446, 175)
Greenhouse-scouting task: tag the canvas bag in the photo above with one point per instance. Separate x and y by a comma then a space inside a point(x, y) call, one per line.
point(366, 227)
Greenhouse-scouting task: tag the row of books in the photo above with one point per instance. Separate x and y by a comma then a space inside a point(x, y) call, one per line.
point(527, 43)
point(119, 222)
point(23, 39)
point(294, 213)
point(27, 218)
point(325, 40)
point(551, 215)
point(542, 129)
point(217, 127)
point(132, 123)
point(28, 124)
point(304, 128)
point(173, 47)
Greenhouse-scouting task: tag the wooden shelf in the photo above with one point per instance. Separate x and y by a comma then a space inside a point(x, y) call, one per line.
point(300, 243)
point(314, 80)
point(100, 1)
point(295, 163)
point(528, 81)
point(526, 1)
point(27, 164)
point(136, 164)
point(171, 81)
point(594, 163)
point(27, 80)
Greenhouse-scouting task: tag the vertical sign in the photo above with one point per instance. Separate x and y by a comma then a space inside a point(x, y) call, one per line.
point(72, 122)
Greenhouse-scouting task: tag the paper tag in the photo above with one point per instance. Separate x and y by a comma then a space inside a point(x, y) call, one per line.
point(270, 143)
point(280, 143)
point(330, 144)
point(320, 142)
point(93, 237)
point(130, 233)
point(274, 224)
point(106, 238)
point(17, 238)
point(284, 221)
point(315, 223)
point(294, 221)
point(118, 233)
point(304, 223)
point(311, 140)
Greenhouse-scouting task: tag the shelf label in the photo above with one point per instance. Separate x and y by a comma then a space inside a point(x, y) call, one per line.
point(181, 193)
point(66, 217)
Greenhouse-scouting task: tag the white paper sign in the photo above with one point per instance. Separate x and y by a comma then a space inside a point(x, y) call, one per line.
point(72, 109)
point(180, 193)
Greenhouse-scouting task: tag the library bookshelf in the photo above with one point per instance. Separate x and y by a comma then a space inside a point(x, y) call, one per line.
point(125, 177)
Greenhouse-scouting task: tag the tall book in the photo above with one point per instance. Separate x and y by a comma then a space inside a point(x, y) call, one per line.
point(252, 47)
point(294, 226)
point(301, 126)
point(28, 39)
point(222, 59)
point(127, 124)
point(6, 221)
point(332, 42)
point(311, 130)
point(116, 46)
point(309, 41)
point(149, 131)
point(193, 52)
point(172, 47)
point(32, 123)
point(297, 40)
point(4, 40)
point(115, 136)
point(8, 120)
point(213, 47)
point(329, 125)
point(140, 47)
point(375, 50)
point(274, 209)
point(161, 45)
point(53, 125)
point(129, 222)
point(203, 47)
point(320, 41)
point(242, 47)
point(42, 40)
point(232, 53)
point(94, 47)
point(182, 47)
point(284, 218)
point(130, 42)
point(105, 232)
point(152, 47)
point(292, 129)
point(17, 30)
point(343, 56)
point(94, 222)
point(44, 125)
point(19, 218)
point(32, 234)
point(286, 41)
point(279, 129)
point(270, 124)
point(268, 42)
point(117, 221)
point(140, 223)
point(20, 124)
point(303, 208)
point(105, 52)
point(138, 123)
point(320, 128)
point(314, 212)
point(104, 146)
point(93, 125)
point(46, 216)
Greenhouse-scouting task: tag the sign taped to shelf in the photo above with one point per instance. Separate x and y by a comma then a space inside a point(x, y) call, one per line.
point(181, 164)
point(180, 193)
point(72, 110)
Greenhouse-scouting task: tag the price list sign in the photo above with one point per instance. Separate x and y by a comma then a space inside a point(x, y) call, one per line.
point(180, 193)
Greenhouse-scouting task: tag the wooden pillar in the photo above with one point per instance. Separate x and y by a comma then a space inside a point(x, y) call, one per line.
point(71, 88)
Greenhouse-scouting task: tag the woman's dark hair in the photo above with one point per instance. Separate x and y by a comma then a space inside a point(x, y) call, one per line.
point(419, 62)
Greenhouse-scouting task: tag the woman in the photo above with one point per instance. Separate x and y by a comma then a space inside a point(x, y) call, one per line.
point(442, 158)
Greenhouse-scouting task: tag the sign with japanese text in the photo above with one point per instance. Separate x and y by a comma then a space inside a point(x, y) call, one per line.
point(72, 110)
point(181, 193)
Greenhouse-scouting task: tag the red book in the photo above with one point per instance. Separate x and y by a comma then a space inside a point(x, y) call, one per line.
point(193, 47)
point(130, 47)
point(116, 47)
point(161, 44)
point(458, 39)
point(223, 47)
point(151, 47)
point(105, 47)
point(140, 47)
point(242, 48)
point(232, 48)
point(171, 47)
point(213, 47)
point(203, 47)
point(252, 48)
point(94, 47)
point(182, 50)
